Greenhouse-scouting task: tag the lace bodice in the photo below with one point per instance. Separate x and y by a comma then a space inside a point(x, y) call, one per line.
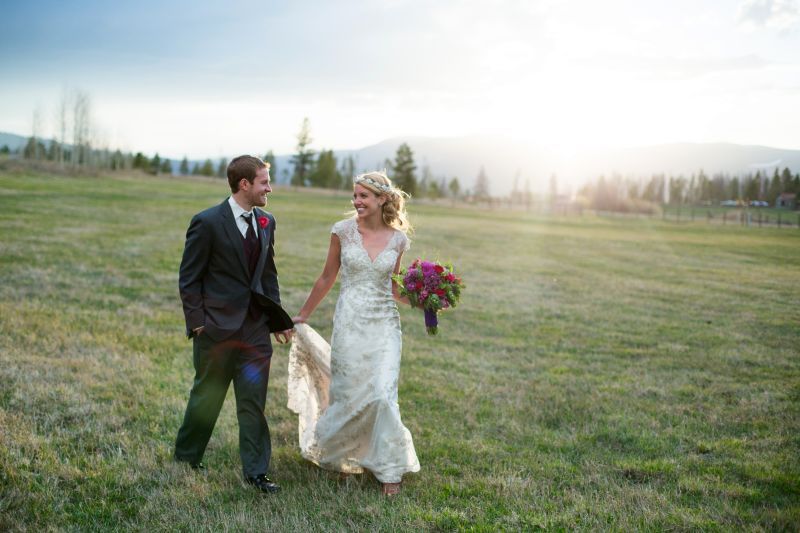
point(366, 285)
point(357, 267)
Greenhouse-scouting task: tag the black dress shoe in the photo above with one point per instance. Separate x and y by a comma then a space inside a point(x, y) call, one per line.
point(264, 484)
point(194, 466)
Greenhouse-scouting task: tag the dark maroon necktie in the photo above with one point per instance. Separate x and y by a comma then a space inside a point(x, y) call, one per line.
point(250, 236)
point(251, 254)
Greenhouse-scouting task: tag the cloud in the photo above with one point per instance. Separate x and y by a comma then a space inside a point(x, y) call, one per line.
point(780, 15)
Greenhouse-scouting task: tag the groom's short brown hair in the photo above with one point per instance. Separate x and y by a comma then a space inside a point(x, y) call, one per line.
point(243, 167)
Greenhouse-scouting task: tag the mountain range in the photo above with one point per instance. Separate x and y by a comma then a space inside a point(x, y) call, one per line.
point(507, 162)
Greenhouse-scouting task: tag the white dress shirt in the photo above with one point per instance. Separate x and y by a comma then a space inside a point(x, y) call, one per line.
point(238, 211)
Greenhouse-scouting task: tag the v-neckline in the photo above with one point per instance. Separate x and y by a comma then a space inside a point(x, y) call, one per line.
point(361, 243)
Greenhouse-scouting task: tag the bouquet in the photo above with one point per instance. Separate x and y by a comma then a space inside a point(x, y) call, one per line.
point(430, 286)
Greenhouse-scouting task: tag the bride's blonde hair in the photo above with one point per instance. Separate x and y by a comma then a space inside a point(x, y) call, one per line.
point(394, 208)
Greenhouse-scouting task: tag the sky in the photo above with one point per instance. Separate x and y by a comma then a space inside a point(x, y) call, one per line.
point(210, 79)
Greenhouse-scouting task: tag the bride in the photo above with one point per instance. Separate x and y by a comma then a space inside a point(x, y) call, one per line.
point(346, 394)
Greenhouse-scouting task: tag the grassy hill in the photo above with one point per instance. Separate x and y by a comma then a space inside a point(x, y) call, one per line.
point(599, 374)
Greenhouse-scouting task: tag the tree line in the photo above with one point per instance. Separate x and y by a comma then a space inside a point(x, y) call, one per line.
point(635, 195)
point(77, 144)
point(323, 170)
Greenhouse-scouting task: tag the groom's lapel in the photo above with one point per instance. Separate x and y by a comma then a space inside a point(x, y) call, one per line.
point(232, 230)
point(263, 241)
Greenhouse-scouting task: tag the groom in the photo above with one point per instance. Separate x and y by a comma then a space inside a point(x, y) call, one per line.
point(231, 300)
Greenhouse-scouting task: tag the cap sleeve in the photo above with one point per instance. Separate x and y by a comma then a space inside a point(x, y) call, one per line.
point(338, 228)
point(403, 242)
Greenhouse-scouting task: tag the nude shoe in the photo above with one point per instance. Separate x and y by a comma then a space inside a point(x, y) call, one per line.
point(391, 489)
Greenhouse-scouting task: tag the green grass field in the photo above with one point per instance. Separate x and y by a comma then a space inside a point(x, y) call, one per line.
point(599, 374)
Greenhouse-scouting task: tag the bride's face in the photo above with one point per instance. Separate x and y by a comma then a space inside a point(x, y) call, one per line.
point(366, 202)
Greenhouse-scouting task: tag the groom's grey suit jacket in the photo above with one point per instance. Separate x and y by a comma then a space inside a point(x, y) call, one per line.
point(215, 283)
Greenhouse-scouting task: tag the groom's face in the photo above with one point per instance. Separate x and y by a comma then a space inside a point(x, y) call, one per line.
point(257, 191)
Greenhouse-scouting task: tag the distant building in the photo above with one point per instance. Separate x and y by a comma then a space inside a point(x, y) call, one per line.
point(786, 200)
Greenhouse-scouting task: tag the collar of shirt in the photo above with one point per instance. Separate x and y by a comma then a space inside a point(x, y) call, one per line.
point(237, 215)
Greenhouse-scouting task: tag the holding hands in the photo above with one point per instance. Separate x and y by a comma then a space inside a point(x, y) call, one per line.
point(283, 336)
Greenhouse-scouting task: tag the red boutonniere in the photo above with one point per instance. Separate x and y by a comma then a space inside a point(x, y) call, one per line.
point(263, 222)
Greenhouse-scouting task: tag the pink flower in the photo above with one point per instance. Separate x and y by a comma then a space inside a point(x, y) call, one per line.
point(263, 222)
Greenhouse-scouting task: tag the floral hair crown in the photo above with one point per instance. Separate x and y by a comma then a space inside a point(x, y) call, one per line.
point(364, 179)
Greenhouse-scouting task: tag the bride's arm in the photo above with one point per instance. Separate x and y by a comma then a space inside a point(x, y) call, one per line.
point(395, 288)
point(324, 282)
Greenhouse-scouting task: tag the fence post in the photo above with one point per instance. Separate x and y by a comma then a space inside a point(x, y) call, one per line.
point(678, 215)
point(724, 218)
point(759, 219)
point(779, 220)
point(693, 214)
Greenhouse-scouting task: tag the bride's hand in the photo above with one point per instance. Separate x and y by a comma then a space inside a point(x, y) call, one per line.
point(299, 319)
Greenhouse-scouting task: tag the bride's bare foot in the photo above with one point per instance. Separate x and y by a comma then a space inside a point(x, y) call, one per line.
point(391, 489)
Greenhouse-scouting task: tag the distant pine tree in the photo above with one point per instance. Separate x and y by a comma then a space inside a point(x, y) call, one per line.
point(775, 188)
point(347, 172)
point(34, 149)
point(140, 161)
point(403, 170)
point(54, 151)
point(166, 167)
point(184, 168)
point(752, 187)
point(733, 189)
point(155, 164)
point(304, 158)
point(325, 173)
point(117, 161)
point(786, 180)
point(454, 187)
point(208, 168)
point(482, 185)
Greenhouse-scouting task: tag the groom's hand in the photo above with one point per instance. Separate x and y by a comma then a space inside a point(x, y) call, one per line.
point(283, 336)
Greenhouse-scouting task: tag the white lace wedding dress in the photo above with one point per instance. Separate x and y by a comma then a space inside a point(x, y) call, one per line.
point(346, 394)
